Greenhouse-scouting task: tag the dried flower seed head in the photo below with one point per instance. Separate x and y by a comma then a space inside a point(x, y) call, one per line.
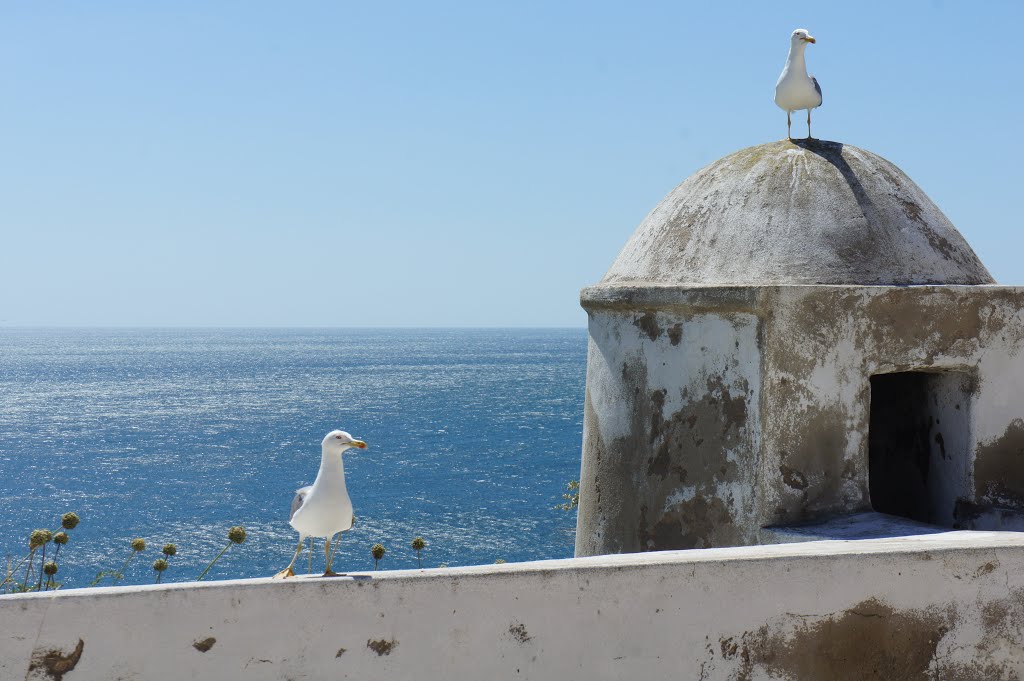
point(418, 544)
point(138, 544)
point(50, 568)
point(159, 564)
point(237, 534)
point(69, 521)
point(38, 538)
point(169, 550)
point(378, 551)
point(60, 538)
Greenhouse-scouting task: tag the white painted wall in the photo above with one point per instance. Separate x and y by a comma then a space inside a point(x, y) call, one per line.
point(948, 606)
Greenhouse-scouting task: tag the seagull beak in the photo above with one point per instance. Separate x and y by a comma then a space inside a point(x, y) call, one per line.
point(810, 39)
point(358, 443)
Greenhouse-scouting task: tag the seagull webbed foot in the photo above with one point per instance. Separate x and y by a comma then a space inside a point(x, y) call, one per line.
point(284, 574)
point(332, 573)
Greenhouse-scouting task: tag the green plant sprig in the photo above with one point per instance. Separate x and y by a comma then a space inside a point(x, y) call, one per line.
point(418, 545)
point(138, 546)
point(377, 551)
point(68, 521)
point(236, 535)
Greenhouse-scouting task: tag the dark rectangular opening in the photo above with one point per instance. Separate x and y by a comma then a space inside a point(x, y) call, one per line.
point(917, 444)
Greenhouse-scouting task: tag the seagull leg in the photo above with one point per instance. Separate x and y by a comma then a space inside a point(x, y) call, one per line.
point(309, 568)
point(288, 572)
point(327, 552)
point(789, 124)
point(809, 125)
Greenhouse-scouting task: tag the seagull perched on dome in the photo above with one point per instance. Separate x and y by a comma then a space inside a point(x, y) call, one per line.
point(795, 89)
point(324, 508)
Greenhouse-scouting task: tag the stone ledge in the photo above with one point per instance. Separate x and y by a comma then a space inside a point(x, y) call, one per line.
point(831, 609)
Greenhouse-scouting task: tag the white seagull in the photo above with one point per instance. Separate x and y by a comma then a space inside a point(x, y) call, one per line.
point(795, 89)
point(324, 508)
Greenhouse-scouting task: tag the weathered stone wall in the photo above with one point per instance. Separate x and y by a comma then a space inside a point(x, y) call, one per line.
point(822, 345)
point(947, 607)
point(670, 419)
point(714, 412)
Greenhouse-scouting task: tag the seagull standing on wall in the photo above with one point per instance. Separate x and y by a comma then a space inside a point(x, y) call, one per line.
point(324, 508)
point(795, 89)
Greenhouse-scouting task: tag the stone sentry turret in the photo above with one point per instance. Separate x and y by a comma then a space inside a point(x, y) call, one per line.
point(797, 335)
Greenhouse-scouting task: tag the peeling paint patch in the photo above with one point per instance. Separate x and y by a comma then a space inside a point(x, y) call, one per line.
point(518, 632)
point(999, 465)
point(382, 646)
point(793, 478)
point(700, 522)
point(870, 640)
point(649, 325)
point(54, 663)
point(675, 334)
point(204, 645)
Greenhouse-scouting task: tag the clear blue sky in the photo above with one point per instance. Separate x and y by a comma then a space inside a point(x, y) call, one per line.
point(443, 163)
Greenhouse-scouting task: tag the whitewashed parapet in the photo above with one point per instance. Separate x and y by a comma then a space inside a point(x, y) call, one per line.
point(948, 606)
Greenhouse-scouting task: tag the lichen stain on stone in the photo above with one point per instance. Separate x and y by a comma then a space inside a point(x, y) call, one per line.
point(911, 209)
point(870, 641)
point(518, 631)
point(381, 646)
point(998, 467)
point(204, 645)
point(54, 663)
point(729, 647)
point(648, 323)
point(985, 569)
point(994, 615)
point(1002, 621)
point(341, 651)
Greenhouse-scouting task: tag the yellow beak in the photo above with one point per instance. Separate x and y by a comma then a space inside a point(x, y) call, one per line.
point(810, 39)
point(358, 443)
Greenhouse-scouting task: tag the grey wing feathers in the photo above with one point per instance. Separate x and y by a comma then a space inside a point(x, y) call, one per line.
point(300, 496)
point(818, 88)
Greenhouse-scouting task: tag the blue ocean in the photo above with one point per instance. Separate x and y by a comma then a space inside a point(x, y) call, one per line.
point(175, 435)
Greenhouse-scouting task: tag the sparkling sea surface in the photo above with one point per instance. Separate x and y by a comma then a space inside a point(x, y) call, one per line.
point(174, 435)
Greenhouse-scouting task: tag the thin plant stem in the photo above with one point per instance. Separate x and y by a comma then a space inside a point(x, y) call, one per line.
point(42, 562)
point(10, 573)
point(21, 562)
point(203, 574)
point(28, 569)
point(120, 573)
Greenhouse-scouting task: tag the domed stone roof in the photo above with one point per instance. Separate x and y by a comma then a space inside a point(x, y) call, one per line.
point(797, 213)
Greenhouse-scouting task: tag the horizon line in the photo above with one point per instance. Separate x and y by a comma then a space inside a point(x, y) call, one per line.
point(242, 326)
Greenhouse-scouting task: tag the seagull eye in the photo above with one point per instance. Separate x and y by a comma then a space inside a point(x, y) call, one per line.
point(337, 437)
